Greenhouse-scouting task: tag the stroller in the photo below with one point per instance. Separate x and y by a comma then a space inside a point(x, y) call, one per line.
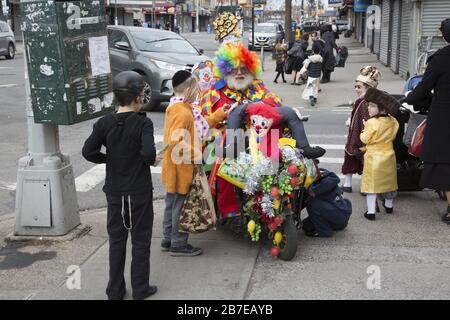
point(341, 57)
point(409, 167)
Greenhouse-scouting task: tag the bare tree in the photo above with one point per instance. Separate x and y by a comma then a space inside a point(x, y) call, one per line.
point(1, 10)
point(288, 20)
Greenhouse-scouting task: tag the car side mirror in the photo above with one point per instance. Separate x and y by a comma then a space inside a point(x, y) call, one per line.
point(122, 45)
point(201, 51)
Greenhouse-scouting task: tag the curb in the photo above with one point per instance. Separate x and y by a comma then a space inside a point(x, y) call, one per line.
point(76, 233)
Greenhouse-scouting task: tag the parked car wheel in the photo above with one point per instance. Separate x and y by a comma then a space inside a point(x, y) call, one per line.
point(11, 51)
point(149, 102)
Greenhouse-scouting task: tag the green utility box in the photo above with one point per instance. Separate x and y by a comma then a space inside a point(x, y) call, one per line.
point(68, 60)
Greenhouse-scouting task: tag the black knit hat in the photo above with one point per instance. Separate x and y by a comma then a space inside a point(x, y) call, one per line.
point(383, 100)
point(316, 47)
point(180, 77)
point(445, 29)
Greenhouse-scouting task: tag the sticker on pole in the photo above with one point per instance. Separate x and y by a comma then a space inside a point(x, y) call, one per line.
point(99, 55)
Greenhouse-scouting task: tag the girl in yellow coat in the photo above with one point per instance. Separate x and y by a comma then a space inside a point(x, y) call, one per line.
point(380, 166)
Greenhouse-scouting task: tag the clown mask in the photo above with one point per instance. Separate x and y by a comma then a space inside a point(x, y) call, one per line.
point(261, 125)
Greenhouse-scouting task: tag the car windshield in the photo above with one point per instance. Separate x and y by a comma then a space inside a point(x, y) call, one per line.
point(146, 41)
point(265, 29)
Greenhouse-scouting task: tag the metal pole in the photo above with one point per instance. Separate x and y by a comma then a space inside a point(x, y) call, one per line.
point(197, 17)
point(46, 198)
point(253, 25)
point(116, 20)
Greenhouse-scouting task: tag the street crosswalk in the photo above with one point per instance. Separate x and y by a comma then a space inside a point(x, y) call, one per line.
point(94, 176)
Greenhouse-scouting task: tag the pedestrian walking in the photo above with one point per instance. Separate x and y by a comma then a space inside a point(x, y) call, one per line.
point(328, 56)
point(380, 167)
point(280, 58)
point(353, 156)
point(130, 151)
point(312, 66)
point(297, 55)
point(435, 150)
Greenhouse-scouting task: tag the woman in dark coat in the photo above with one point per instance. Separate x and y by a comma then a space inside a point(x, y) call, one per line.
point(297, 55)
point(436, 145)
point(329, 62)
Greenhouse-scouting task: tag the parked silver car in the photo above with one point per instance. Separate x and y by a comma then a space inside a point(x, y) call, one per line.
point(156, 54)
point(266, 35)
point(7, 41)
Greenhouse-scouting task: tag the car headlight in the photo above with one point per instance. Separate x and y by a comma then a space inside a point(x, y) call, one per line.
point(167, 66)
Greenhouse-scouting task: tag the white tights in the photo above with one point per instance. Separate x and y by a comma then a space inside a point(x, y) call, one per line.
point(372, 203)
point(348, 180)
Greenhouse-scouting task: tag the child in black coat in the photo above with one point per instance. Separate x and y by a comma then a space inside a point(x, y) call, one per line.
point(130, 151)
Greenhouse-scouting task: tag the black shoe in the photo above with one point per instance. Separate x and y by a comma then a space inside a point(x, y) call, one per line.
point(275, 81)
point(347, 189)
point(187, 251)
point(370, 217)
point(293, 83)
point(312, 102)
point(324, 81)
point(313, 152)
point(150, 291)
point(313, 234)
point(121, 297)
point(446, 216)
point(388, 210)
point(165, 245)
point(284, 81)
point(298, 84)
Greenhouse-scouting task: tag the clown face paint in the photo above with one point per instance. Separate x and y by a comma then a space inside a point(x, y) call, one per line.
point(261, 125)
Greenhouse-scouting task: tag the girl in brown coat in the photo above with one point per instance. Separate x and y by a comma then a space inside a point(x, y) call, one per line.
point(353, 163)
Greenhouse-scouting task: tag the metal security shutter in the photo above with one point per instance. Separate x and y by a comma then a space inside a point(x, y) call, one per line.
point(377, 41)
point(395, 36)
point(385, 24)
point(433, 12)
point(370, 38)
point(405, 21)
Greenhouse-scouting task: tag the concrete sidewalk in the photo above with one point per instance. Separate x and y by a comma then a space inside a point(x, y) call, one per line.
point(340, 91)
point(38, 270)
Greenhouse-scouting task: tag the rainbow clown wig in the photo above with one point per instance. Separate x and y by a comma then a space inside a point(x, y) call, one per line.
point(231, 55)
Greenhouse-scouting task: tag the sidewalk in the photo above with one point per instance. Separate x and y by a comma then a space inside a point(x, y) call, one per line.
point(411, 247)
point(340, 91)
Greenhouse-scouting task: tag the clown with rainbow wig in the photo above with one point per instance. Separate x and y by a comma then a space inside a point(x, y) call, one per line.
point(236, 72)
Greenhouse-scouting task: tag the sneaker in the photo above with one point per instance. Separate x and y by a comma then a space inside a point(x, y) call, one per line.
point(370, 217)
point(187, 251)
point(347, 189)
point(165, 245)
point(312, 102)
point(150, 291)
point(388, 210)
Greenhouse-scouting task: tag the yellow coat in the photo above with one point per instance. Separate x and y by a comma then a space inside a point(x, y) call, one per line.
point(380, 167)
